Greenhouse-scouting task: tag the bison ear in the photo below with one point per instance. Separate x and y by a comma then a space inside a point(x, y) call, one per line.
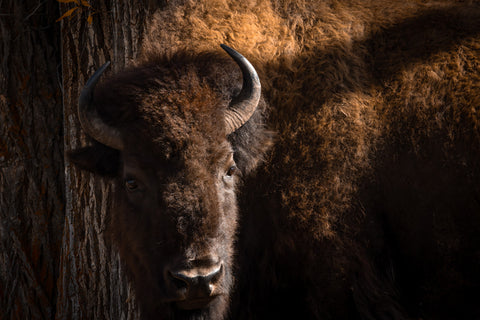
point(97, 158)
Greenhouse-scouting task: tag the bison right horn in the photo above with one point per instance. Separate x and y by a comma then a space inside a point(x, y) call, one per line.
point(90, 119)
point(243, 106)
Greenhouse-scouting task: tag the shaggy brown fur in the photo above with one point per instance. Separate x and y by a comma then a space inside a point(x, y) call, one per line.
point(368, 204)
point(183, 211)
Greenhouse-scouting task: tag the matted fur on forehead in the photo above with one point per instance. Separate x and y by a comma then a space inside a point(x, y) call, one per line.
point(168, 104)
point(174, 119)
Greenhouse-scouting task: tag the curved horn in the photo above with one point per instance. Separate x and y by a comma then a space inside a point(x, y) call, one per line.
point(242, 106)
point(90, 119)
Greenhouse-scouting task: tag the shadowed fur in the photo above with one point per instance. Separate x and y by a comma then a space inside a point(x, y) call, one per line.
point(363, 204)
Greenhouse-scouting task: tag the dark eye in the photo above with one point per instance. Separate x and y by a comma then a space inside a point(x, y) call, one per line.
point(231, 171)
point(131, 185)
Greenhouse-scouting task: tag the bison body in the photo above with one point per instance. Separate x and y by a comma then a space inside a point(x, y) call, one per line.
point(350, 192)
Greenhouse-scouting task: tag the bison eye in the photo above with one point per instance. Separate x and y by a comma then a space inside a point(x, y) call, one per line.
point(231, 171)
point(131, 185)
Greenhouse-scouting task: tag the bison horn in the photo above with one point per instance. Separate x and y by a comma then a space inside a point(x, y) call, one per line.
point(90, 119)
point(243, 106)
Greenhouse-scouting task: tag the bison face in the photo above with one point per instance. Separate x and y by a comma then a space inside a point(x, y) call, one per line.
point(175, 224)
point(176, 133)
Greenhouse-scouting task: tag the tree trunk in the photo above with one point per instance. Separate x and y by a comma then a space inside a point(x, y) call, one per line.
point(92, 283)
point(55, 261)
point(31, 159)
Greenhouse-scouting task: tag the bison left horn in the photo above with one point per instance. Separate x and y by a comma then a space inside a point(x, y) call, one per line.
point(243, 106)
point(89, 118)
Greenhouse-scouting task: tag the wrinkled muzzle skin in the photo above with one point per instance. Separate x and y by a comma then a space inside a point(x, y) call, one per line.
point(176, 228)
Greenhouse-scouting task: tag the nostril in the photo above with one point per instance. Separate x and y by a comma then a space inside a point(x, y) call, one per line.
point(178, 280)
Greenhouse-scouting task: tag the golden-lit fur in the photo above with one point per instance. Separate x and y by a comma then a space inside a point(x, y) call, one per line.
point(358, 92)
point(325, 80)
point(367, 204)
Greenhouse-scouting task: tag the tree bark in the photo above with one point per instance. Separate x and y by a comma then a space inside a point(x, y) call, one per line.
point(55, 260)
point(31, 159)
point(92, 283)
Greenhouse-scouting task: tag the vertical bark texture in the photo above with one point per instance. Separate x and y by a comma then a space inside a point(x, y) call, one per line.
point(31, 159)
point(92, 284)
point(55, 261)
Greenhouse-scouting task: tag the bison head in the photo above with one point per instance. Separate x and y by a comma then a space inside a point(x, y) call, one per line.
point(176, 133)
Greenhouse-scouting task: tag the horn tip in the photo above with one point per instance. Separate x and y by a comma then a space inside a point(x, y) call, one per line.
point(104, 66)
point(232, 52)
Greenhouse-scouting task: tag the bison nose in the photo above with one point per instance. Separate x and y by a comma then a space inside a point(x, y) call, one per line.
point(196, 285)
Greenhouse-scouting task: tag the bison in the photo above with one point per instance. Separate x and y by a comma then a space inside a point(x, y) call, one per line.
point(330, 171)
